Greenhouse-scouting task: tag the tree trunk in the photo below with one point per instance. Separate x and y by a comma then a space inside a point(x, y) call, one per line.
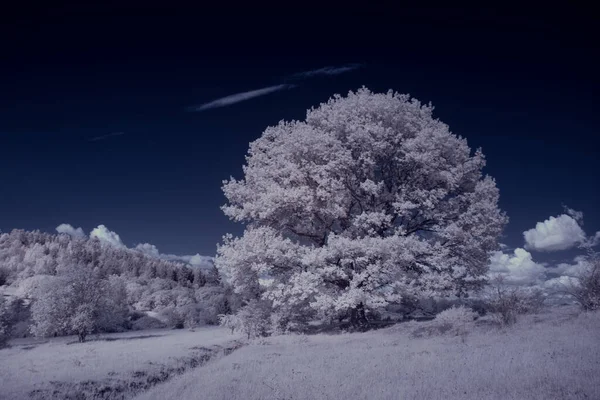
point(358, 319)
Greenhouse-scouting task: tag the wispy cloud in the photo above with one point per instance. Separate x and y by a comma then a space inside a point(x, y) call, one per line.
point(239, 97)
point(326, 71)
point(95, 139)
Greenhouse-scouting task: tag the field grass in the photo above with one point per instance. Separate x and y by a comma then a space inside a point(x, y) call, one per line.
point(553, 355)
point(110, 366)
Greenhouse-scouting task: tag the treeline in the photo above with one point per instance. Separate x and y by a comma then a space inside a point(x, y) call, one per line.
point(71, 285)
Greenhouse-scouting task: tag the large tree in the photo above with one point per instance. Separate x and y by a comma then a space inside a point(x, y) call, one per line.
point(369, 199)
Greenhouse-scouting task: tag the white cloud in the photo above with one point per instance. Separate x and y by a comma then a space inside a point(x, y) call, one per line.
point(517, 269)
point(327, 71)
point(571, 270)
point(107, 236)
point(239, 97)
point(576, 215)
point(195, 260)
point(595, 241)
point(148, 249)
point(560, 283)
point(70, 230)
point(554, 234)
point(201, 261)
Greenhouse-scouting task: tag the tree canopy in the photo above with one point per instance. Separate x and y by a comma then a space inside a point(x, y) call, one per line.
point(368, 200)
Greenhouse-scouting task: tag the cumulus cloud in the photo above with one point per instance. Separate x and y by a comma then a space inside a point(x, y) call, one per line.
point(571, 270)
point(239, 97)
point(107, 236)
point(560, 283)
point(327, 71)
point(517, 269)
point(70, 230)
point(148, 249)
point(560, 233)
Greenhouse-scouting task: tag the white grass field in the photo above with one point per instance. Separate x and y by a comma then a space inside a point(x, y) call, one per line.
point(52, 368)
point(553, 355)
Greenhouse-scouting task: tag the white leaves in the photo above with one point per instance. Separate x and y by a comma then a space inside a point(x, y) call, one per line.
point(367, 197)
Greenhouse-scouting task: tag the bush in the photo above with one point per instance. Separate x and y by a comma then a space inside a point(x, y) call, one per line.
point(506, 303)
point(586, 288)
point(455, 320)
point(146, 322)
point(172, 318)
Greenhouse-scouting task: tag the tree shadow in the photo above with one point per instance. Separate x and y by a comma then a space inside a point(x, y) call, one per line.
point(113, 339)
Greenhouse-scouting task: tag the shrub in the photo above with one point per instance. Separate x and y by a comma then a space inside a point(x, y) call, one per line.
point(146, 322)
point(172, 318)
point(585, 289)
point(455, 320)
point(506, 302)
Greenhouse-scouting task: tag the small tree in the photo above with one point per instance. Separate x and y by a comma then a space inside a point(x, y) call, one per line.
point(585, 288)
point(230, 321)
point(255, 319)
point(83, 321)
point(76, 302)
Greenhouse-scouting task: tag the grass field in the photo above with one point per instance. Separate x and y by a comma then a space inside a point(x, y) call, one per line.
point(553, 355)
point(106, 366)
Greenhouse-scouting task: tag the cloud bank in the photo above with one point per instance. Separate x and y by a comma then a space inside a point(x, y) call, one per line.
point(239, 97)
point(553, 234)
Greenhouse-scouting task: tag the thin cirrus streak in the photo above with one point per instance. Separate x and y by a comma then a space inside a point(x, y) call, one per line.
point(97, 138)
point(239, 97)
point(327, 71)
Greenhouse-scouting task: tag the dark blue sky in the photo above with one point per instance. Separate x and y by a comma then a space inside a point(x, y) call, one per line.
point(523, 87)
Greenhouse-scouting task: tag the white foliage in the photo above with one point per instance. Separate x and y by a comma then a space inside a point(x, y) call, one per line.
point(230, 321)
point(456, 320)
point(368, 199)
